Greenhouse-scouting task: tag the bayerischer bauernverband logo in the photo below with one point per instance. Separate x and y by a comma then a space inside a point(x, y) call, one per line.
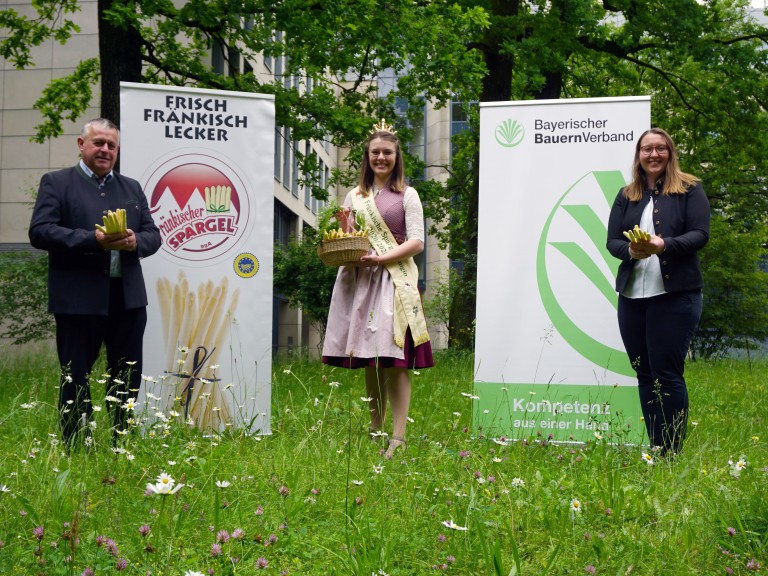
point(509, 133)
point(200, 205)
point(575, 272)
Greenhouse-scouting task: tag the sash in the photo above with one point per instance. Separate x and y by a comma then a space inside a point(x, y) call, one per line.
point(404, 273)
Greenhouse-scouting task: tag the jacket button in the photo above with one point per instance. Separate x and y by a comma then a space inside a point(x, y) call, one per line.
point(663, 262)
point(666, 276)
point(103, 194)
point(104, 212)
point(657, 192)
point(656, 211)
point(658, 222)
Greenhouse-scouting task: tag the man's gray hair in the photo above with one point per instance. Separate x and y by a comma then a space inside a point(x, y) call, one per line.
point(103, 123)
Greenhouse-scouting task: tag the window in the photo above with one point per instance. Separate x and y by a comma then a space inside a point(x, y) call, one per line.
point(285, 224)
point(217, 57)
point(278, 149)
point(418, 143)
point(320, 179)
point(295, 170)
point(307, 185)
point(459, 123)
point(287, 158)
point(326, 186)
point(287, 78)
point(225, 59)
point(268, 62)
point(459, 119)
point(234, 61)
point(278, 60)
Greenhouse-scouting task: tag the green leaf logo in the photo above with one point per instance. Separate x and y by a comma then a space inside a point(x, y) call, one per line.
point(509, 133)
point(571, 251)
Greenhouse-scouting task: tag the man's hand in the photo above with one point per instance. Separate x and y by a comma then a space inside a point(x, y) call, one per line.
point(120, 241)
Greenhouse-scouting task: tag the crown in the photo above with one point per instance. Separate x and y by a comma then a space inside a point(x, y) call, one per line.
point(382, 126)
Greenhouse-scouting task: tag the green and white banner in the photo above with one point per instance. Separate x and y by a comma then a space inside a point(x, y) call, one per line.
point(548, 354)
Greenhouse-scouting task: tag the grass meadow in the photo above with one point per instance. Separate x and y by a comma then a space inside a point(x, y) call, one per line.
point(317, 497)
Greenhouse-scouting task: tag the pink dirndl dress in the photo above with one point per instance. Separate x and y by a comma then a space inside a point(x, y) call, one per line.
point(360, 329)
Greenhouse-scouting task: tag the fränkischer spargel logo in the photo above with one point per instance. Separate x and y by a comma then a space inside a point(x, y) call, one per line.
point(200, 206)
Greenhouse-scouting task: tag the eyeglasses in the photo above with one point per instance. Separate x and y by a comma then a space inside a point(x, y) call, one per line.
point(386, 153)
point(646, 150)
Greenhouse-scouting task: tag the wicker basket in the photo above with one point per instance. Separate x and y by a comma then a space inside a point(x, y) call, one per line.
point(341, 251)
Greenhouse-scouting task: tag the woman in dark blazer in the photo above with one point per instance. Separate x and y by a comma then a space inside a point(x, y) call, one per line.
point(659, 280)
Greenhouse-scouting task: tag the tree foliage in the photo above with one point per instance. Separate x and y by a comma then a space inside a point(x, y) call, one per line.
point(332, 49)
point(703, 62)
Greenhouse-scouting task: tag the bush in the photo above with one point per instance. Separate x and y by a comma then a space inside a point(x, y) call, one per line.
point(24, 297)
point(735, 291)
point(303, 279)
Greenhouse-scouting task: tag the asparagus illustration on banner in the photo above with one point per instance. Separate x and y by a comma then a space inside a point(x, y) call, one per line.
point(218, 198)
point(113, 222)
point(197, 318)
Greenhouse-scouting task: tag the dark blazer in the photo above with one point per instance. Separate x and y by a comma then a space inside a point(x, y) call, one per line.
point(68, 206)
point(682, 220)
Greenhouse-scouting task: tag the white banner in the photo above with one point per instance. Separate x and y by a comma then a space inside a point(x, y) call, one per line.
point(205, 160)
point(548, 354)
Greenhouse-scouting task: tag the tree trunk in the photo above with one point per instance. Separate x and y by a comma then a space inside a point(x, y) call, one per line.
point(120, 53)
point(497, 87)
point(553, 87)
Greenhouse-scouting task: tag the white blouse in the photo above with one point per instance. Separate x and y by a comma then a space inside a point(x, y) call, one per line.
point(645, 280)
point(414, 215)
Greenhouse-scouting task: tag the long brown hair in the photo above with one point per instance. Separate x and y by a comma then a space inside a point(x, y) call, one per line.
point(675, 180)
point(396, 181)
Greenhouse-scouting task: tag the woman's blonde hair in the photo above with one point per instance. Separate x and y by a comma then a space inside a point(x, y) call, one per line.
point(396, 181)
point(675, 180)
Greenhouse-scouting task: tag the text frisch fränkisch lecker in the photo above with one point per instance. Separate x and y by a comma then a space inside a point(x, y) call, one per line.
point(195, 118)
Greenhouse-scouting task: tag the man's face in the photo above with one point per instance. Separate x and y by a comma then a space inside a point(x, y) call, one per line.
point(99, 149)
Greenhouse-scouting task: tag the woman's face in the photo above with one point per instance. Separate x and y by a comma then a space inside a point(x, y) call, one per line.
point(382, 155)
point(654, 156)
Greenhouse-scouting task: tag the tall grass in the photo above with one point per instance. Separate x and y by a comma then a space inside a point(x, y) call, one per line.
point(318, 497)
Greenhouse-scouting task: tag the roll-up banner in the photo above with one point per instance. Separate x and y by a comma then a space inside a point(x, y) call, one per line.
point(205, 160)
point(549, 360)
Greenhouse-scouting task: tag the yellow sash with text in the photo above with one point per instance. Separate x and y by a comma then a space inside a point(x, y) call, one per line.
point(404, 273)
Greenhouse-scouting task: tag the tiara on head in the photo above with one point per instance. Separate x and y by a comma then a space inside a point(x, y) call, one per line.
point(382, 126)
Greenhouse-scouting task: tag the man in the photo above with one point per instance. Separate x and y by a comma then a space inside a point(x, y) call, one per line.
point(96, 288)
